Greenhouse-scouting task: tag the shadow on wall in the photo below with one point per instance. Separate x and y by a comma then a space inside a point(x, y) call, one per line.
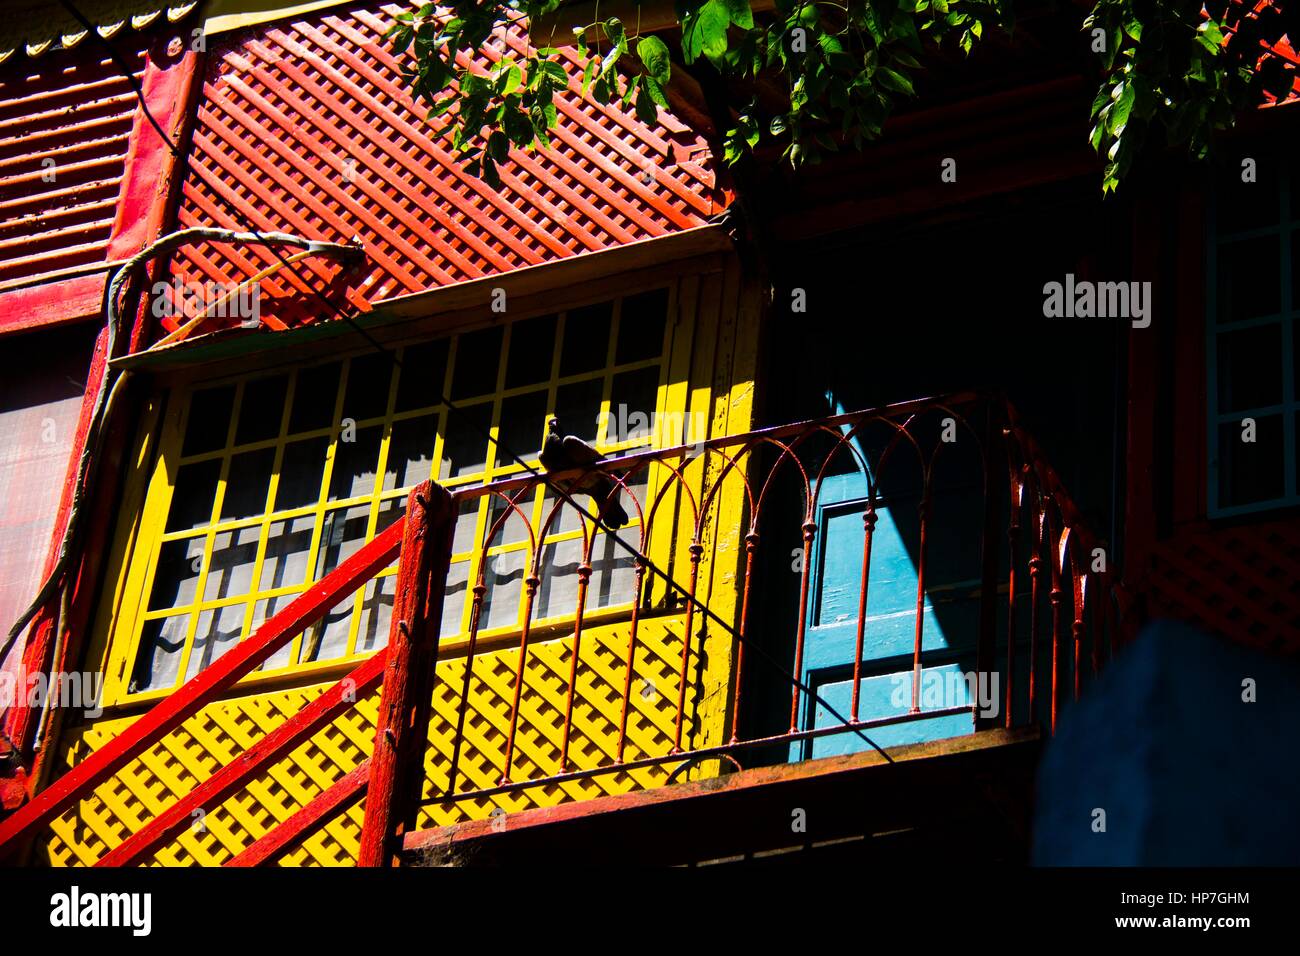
point(1182, 754)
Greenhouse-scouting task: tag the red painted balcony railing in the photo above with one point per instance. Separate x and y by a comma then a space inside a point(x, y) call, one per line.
point(1044, 589)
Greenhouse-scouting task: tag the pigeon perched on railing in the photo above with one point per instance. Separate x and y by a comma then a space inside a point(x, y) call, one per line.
point(567, 452)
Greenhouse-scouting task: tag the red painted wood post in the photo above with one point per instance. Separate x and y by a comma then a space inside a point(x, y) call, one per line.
point(402, 730)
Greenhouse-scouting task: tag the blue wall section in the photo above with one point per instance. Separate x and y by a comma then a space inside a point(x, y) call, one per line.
point(1185, 770)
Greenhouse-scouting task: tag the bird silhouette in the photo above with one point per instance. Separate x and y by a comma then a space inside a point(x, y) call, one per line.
point(567, 452)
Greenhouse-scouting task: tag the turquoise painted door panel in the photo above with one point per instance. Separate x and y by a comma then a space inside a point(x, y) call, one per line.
point(950, 609)
point(887, 695)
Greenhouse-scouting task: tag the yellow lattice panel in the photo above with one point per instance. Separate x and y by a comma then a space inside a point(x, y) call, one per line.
point(213, 737)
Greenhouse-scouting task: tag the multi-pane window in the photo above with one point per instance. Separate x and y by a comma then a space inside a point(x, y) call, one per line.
point(278, 478)
point(1253, 341)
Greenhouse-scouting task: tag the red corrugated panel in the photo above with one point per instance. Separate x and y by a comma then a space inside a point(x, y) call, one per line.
point(65, 118)
point(293, 111)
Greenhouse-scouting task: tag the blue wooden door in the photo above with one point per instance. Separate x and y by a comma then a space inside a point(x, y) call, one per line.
point(950, 612)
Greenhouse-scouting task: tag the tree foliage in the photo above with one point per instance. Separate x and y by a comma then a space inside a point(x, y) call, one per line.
point(844, 65)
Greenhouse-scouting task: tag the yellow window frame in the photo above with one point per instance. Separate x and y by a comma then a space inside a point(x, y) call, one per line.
point(127, 625)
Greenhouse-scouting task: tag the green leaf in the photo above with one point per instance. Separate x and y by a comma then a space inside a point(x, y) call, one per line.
point(509, 80)
point(647, 111)
point(556, 72)
point(895, 81)
point(704, 32)
point(739, 12)
point(654, 55)
point(1118, 116)
point(656, 91)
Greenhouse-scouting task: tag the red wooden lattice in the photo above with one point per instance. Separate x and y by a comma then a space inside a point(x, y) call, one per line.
point(305, 126)
point(1240, 581)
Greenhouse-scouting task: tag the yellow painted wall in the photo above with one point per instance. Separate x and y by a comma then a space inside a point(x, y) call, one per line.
point(712, 373)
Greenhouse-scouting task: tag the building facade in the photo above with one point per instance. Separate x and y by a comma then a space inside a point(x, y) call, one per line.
point(882, 518)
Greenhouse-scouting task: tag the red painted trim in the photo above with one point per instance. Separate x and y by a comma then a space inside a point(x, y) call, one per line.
point(141, 203)
point(231, 777)
point(146, 203)
point(328, 804)
point(401, 731)
point(192, 696)
point(54, 303)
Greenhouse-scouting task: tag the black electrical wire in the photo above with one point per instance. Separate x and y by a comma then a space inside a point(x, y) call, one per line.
point(451, 407)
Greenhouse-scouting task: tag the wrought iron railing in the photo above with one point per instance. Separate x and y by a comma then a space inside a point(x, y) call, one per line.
point(1044, 594)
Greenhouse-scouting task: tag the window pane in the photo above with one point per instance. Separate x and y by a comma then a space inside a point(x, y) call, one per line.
point(369, 377)
point(410, 452)
point(218, 632)
point(196, 487)
point(247, 483)
point(424, 368)
point(314, 397)
point(567, 517)
point(532, 347)
point(288, 546)
point(465, 449)
point(1249, 280)
point(641, 326)
point(466, 517)
point(1250, 368)
point(613, 573)
point(376, 614)
point(523, 426)
point(453, 604)
point(159, 661)
point(342, 537)
point(356, 463)
point(1251, 472)
point(301, 471)
point(558, 593)
point(231, 571)
point(328, 638)
point(209, 420)
point(586, 339)
point(503, 576)
point(262, 611)
point(478, 355)
point(577, 407)
point(632, 405)
point(261, 409)
point(514, 529)
point(177, 576)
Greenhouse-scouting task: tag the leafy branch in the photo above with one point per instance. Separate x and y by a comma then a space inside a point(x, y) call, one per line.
point(842, 67)
point(1168, 69)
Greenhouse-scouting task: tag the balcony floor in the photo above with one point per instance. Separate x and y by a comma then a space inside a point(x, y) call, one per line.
point(948, 797)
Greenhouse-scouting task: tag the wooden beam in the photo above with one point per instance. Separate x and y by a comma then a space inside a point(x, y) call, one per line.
point(401, 731)
point(749, 811)
point(323, 808)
